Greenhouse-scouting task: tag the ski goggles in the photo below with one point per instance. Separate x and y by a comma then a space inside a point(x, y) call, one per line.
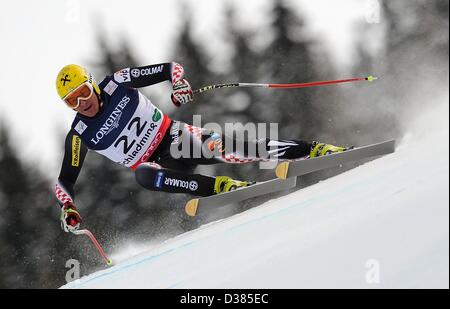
point(82, 92)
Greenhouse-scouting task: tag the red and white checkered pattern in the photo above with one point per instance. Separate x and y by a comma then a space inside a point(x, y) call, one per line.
point(182, 93)
point(195, 131)
point(235, 160)
point(177, 72)
point(61, 195)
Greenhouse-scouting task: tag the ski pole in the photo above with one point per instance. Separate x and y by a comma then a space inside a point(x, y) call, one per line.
point(96, 244)
point(286, 86)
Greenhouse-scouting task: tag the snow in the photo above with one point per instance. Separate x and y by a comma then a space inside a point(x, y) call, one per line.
point(384, 224)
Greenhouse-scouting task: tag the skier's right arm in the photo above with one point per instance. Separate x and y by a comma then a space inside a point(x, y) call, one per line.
point(138, 77)
point(74, 154)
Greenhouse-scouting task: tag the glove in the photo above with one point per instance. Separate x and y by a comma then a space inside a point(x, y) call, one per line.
point(70, 217)
point(182, 93)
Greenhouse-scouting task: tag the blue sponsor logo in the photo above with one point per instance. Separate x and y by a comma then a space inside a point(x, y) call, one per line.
point(159, 180)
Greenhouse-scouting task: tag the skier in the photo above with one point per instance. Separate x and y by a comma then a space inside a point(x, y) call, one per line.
point(117, 121)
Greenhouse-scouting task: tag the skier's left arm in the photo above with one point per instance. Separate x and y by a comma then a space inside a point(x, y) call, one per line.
point(74, 154)
point(138, 77)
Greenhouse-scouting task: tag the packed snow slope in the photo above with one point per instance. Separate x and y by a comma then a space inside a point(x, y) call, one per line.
point(384, 224)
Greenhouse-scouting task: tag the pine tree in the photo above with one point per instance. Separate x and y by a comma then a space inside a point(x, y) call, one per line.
point(239, 105)
point(412, 66)
point(195, 61)
point(289, 58)
point(25, 204)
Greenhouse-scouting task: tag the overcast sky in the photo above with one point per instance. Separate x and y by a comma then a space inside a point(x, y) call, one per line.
point(39, 37)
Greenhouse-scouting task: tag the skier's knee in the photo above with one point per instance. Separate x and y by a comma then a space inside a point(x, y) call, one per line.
point(146, 174)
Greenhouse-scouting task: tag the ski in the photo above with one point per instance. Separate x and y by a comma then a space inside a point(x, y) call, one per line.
point(298, 168)
point(201, 205)
point(287, 173)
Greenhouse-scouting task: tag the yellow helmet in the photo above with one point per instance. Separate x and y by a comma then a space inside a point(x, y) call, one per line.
point(70, 77)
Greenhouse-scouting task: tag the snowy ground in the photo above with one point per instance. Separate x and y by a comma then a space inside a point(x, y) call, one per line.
point(384, 224)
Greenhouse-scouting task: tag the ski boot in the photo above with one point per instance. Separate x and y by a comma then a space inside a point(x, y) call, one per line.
point(322, 149)
point(226, 184)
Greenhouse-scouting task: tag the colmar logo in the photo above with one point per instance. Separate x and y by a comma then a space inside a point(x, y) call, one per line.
point(135, 73)
point(147, 71)
point(191, 185)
